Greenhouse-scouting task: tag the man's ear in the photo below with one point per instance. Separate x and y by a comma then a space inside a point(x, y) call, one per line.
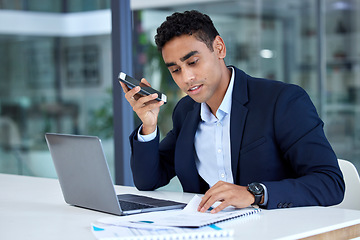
point(219, 47)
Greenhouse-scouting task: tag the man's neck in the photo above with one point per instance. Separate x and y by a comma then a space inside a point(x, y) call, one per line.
point(215, 103)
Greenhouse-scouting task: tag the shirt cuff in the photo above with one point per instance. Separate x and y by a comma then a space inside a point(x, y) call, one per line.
point(146, 138)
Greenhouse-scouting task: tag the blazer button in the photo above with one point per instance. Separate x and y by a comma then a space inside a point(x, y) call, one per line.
point(285, 205)
point(279, 205)
point(290, 205)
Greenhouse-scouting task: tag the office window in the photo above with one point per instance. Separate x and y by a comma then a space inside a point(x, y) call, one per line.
point(55, 5)
point(342, 107)
point(264, 38)
point(86, 5)
point(310, 43)
point(52, 79)
point(32, 5)
point(56, 79)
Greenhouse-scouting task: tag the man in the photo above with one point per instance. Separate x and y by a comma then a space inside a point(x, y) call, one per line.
point(237, 139)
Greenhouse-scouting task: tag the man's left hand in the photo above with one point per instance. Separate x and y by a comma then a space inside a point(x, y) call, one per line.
point(228, 194)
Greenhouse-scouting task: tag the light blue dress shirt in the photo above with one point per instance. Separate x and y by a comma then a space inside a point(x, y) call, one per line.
point(212, 141)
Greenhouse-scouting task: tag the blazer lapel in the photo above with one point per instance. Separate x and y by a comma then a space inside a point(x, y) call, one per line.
point(185, 161)
point(238, 118)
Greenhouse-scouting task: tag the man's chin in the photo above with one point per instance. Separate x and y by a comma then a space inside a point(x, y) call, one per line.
point(196, 99)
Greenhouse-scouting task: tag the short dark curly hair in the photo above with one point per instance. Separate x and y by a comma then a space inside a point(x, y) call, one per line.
point(191, 23)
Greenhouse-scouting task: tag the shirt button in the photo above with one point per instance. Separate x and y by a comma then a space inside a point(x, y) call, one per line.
point(218, 124)
point(219, 150)
point(222, 175)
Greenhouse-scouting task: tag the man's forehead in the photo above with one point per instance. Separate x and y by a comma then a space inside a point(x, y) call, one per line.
point(182, 48)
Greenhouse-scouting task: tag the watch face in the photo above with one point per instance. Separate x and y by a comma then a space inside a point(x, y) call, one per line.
point(256, 188)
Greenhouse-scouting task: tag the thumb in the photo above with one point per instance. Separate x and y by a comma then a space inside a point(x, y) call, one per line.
point(145, 82)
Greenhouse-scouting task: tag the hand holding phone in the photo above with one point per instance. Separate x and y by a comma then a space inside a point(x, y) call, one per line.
point(145, 90)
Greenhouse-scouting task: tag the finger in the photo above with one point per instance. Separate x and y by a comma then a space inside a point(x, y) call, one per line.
point(213, 190)
point(146, 100)
point(205, 199)
point(207, 205)
point(148, 106)
point(209, 202)
point(130, 94)
point(144, 81)
point(221, 206)
point(124, 87)
point(202, 203)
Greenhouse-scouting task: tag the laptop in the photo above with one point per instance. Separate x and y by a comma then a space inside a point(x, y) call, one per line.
point(85, 179)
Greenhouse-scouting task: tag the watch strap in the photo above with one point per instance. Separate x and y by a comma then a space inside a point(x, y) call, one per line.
point(257, 199)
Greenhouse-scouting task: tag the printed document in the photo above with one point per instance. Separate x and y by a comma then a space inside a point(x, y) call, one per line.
point(188, 217)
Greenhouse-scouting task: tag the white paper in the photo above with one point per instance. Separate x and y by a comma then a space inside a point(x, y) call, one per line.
point(135, 221)
point(192, 206)
point(188, 217)
point(109, 232)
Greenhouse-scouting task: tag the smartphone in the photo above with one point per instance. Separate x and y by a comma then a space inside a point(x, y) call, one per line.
point(145, 90)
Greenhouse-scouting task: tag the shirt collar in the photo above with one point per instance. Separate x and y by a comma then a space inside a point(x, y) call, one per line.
point(225, 106)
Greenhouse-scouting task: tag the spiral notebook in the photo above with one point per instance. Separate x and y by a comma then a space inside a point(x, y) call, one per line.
point(110, 232)
point(173, 224)
point(190, 217)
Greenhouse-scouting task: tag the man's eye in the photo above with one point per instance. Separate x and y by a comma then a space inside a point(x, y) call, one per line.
point(193, 62)
point(175, 70)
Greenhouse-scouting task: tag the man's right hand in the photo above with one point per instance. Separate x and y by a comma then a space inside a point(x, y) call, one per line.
point(146, 107)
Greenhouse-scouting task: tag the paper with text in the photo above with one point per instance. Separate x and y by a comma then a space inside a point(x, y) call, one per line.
point(107, 232)
point(188, 217)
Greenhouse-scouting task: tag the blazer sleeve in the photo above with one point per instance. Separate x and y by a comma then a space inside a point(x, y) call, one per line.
point(151, 168)
point(302, 141)
point(152, 163)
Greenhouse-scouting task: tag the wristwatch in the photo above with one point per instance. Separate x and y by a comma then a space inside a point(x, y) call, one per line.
point(257, 190)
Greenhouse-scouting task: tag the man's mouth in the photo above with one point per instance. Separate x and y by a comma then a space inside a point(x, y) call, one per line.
point(194, 88)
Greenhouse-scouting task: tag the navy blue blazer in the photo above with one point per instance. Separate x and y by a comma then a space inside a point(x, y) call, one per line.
point(277, 139)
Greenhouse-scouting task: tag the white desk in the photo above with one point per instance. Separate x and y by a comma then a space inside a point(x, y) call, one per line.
point(33, 208)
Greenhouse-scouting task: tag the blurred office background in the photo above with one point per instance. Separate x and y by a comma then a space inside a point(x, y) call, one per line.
point(56, 66)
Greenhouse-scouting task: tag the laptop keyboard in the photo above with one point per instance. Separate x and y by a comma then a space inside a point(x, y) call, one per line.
point(125, 205)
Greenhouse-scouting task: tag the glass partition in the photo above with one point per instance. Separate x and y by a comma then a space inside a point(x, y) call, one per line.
point(52, 82)
point(267, 39)
point(343, 77)
point(312, 43)
point(54, 79)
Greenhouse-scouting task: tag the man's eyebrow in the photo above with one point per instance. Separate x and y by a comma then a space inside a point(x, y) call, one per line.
point(184, 58)
point(187, 56)
point(170, 64)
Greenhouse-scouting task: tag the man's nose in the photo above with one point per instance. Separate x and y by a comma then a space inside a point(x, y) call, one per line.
point(188, 75)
